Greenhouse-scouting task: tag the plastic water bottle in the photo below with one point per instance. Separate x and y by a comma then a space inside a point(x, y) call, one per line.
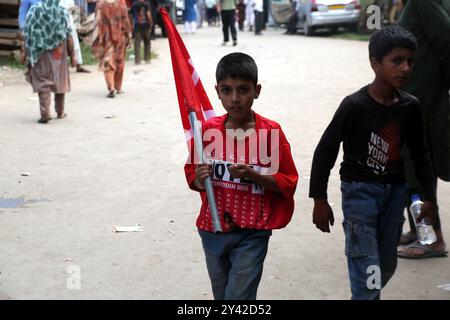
point(425, 231)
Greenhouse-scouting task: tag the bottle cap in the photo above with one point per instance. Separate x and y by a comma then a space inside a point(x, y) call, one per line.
point(415, 197)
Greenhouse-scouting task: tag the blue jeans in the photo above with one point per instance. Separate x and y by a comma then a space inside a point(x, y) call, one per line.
point(235, 262)
point(373, 220)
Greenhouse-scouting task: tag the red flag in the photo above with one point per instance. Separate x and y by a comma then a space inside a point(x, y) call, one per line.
point(190, 91)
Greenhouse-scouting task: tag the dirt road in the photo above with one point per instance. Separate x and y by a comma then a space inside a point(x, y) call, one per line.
point(120, 162)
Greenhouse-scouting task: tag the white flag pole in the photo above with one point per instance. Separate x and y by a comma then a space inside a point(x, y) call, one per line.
point(198, 142)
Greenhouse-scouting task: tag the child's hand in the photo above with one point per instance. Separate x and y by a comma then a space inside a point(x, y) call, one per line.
point(427, 212)
point(239, 171)
point(322, 215)
point(202, 171)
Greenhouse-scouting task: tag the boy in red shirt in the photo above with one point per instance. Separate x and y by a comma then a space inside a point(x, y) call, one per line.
point(254, 191)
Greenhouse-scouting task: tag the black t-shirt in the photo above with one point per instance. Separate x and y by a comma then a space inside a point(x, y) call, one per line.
point(373, 135)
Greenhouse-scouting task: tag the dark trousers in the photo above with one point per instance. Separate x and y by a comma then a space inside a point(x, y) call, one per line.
point(228, 22)
point(211, 16)
point(292, 24)
point(141, 33)
point(259, 21)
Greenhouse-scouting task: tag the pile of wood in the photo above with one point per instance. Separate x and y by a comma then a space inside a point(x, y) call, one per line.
point(9, 28)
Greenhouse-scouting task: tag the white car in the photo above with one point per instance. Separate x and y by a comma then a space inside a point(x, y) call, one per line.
point(313, 14)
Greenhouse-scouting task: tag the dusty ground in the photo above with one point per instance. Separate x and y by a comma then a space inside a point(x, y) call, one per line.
point(88, 173)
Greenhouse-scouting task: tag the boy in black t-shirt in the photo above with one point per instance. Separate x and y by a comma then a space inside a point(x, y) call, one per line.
point(374, 123)
point(142, 25)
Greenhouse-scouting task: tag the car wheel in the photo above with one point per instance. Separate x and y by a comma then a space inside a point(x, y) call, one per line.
point(307, 29)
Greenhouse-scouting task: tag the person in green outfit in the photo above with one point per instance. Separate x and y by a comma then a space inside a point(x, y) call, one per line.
point(429, 21)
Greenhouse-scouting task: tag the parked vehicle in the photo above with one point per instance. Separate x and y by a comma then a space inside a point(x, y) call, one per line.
point(281, 10)
point(314, 14)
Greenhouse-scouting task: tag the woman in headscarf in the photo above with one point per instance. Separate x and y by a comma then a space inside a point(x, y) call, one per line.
point(113, 38)
point(47, 44)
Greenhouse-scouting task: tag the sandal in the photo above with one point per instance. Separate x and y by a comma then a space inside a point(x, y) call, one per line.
point(111, 94)
point(427, 252)
point(62, 116)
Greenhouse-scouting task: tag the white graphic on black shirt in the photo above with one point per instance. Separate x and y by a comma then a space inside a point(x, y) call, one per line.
point(378, 153)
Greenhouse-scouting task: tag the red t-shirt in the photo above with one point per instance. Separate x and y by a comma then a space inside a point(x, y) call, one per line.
point(248, 205)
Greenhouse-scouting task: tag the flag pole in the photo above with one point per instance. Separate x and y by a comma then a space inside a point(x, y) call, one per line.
point(198, 142)
point(190, 103)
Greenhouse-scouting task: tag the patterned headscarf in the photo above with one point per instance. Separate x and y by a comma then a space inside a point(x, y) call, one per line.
point(46, 26)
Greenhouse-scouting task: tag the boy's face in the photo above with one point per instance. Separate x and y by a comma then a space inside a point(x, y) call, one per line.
point(395, 67)
point(237, 96)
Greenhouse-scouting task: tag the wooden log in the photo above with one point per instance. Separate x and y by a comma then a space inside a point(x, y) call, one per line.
point(10, 42)
point(9, 34)
point(6, 53)
point(10, 53)
point(10, 2)
point(9, 22)
point(9, 11)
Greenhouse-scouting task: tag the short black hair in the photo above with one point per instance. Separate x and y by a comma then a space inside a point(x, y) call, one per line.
point(384, 40)
point(237, 65)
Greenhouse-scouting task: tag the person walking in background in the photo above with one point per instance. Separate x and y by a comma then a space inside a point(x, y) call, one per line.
point(69, 4)
point(249, 14)
point(227, 9)
point(25, 5)
point(211, 12)
point(265, 13)
point(113, 38)
point(201, 13)
point(241, 14)
point(292, 24)
point(142, 25)
point(430, 83)
point(374, 124)
point(48, 42)
point(190, 16)
point(259, 17)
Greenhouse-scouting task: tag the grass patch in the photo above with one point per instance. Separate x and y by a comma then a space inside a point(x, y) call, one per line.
point(90, 59)
point(351, 36)
point(88, 56)
point(130, 54)
point(11, 62)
